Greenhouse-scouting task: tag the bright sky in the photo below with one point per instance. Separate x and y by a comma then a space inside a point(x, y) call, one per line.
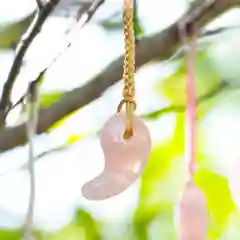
point(61, 175)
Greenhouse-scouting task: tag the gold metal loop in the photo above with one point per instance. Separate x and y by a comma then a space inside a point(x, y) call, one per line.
point(130, 108)
point(127, 101)
point(129, 120)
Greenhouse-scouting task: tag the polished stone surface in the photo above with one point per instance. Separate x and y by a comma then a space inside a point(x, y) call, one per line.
point(124, 159)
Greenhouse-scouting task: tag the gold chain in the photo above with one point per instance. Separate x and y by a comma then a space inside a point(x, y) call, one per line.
point(128, 68)
point(128, 74)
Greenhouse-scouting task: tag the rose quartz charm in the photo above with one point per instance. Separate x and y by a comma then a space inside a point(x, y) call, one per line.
point(125, 159)
point(193, 214)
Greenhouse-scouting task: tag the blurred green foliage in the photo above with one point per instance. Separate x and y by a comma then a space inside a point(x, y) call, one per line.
point(219, 201)
point(114, 23)
point(83, 226)
point(11, 235)
point(163, 179)
point(156, 197)
point(10, 34)
point(47, 99)
point(174, 86)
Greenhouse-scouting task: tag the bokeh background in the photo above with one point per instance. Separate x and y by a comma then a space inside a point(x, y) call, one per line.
point(69, 154)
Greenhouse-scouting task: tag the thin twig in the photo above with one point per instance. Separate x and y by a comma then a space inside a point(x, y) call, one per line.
point(198, 8)
point(24, 96)
point(36, 158)
point(208, 33)
point(22, 48)
point(20, 101)
point(39, 4)
point(33, 104)
point(83, 9)
point(86, 18)
point(181, 108)
point(93, 8)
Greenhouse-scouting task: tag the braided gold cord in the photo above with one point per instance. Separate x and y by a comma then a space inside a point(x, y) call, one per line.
point(128, 68)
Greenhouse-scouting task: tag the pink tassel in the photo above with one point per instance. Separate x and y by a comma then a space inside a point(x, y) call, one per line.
point(193, 211)
point(193, 214)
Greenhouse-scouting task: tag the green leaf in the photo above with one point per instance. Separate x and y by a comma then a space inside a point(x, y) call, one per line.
point(90, 225)
point(113, 22)
point(138, 30)
point(71, 232)
point(156, 195)
point(15, 234)
point(219, 201)
point(161, 158)
point(83, 226)
point(46, 99)
point(10, 34)
point(174, 86)
point(110, 25)
point(74, 138)
point(10, 234)
point(60, 122)
point(162, 111)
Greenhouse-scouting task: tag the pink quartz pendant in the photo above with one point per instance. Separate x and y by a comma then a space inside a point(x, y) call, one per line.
point(125, 159)
point(193, 214)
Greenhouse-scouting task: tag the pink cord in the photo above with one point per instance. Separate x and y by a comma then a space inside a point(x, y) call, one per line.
point(191, 100)
point(191, 105)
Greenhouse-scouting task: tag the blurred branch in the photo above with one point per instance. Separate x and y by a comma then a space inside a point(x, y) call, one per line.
point(83, 9)
point(43, 154)
point(10, 34)
point(93, 8)
point(216, 31)
point(181, 108)
point(32, 104)
point(36, 158)
point(84, 17)
point(39, 4)
point(159, 46)
point(89, 14)
point(26, 40)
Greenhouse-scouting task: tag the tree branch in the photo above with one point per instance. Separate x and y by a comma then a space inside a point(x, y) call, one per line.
point(39, 4)
point(26, 40)
point(159, 46)
point(94, 6)
point(220, 30)
point(151, 116)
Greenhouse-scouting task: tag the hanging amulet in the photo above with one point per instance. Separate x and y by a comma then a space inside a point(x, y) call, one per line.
point(193, 214)
point(125, 159)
